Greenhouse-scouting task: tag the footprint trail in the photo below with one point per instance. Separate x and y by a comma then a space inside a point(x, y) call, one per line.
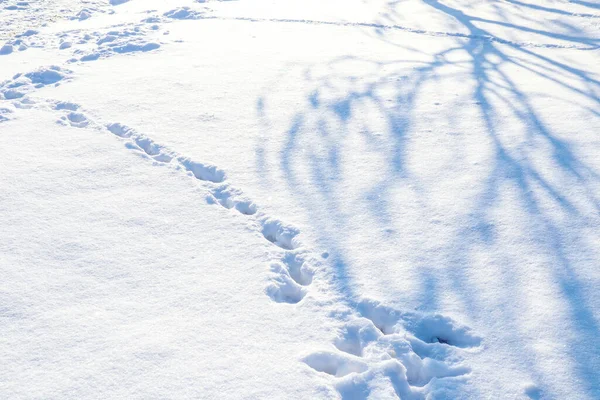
point(377, 346)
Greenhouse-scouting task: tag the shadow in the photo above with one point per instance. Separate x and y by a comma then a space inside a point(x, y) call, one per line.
point(594, 6)
point(540, 172)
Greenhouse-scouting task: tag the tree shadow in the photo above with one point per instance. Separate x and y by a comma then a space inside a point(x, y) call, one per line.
point(393, 93)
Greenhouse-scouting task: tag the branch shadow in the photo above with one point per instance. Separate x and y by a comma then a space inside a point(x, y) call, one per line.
point(330, 111)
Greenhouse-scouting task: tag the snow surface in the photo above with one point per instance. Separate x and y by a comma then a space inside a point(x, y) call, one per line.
point(300, 199)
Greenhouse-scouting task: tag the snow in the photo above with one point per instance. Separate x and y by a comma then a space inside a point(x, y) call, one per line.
point(301, 199)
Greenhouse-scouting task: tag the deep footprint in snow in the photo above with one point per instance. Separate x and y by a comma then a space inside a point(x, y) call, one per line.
point(142, 143)
point(232, 198)
point(299, 268)
point(409, 364)
point(427, 328)
point(357, 378)
point(203, 172)
point(283, 288)
point(77, 119)
point(109, 43)
point(120, 130)
point(72, 117)
point(290, 277)
point(23, 84)
point(152, 149)
point(4, 114)
point(335, 364)
point(280, 234)
point(185, 13)
point(65, 105)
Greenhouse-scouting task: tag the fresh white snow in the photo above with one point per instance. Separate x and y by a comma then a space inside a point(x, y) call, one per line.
point(262, 199)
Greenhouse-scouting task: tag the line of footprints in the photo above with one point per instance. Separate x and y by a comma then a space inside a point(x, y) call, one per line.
point(290, 275)
point(409, 352)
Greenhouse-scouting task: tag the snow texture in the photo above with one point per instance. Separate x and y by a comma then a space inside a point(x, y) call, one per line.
point(299, 200)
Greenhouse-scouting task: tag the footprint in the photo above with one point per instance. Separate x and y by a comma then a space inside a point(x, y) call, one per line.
point(184, 13)
point(280, 234)
point(141, 143)
point(356, 335)
point(4, 111)
point(440, 329)
point(398, 362)
point(24, 103)
point(427, 328)
point(335, 364)
point(385, 380)
point(77, 120)
point(120, 130)
point(134, 47)
point(12, 94)
point(22, 84)
point(203, 172)
point(293, 273)
point(47, 76)
point(65, 105)
point(108, 44)
point(283, 288)
point(532, 391)
point(154, 150)
point(299, 268)
point(290, 277)
point(230, 198)
point(148, 145)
